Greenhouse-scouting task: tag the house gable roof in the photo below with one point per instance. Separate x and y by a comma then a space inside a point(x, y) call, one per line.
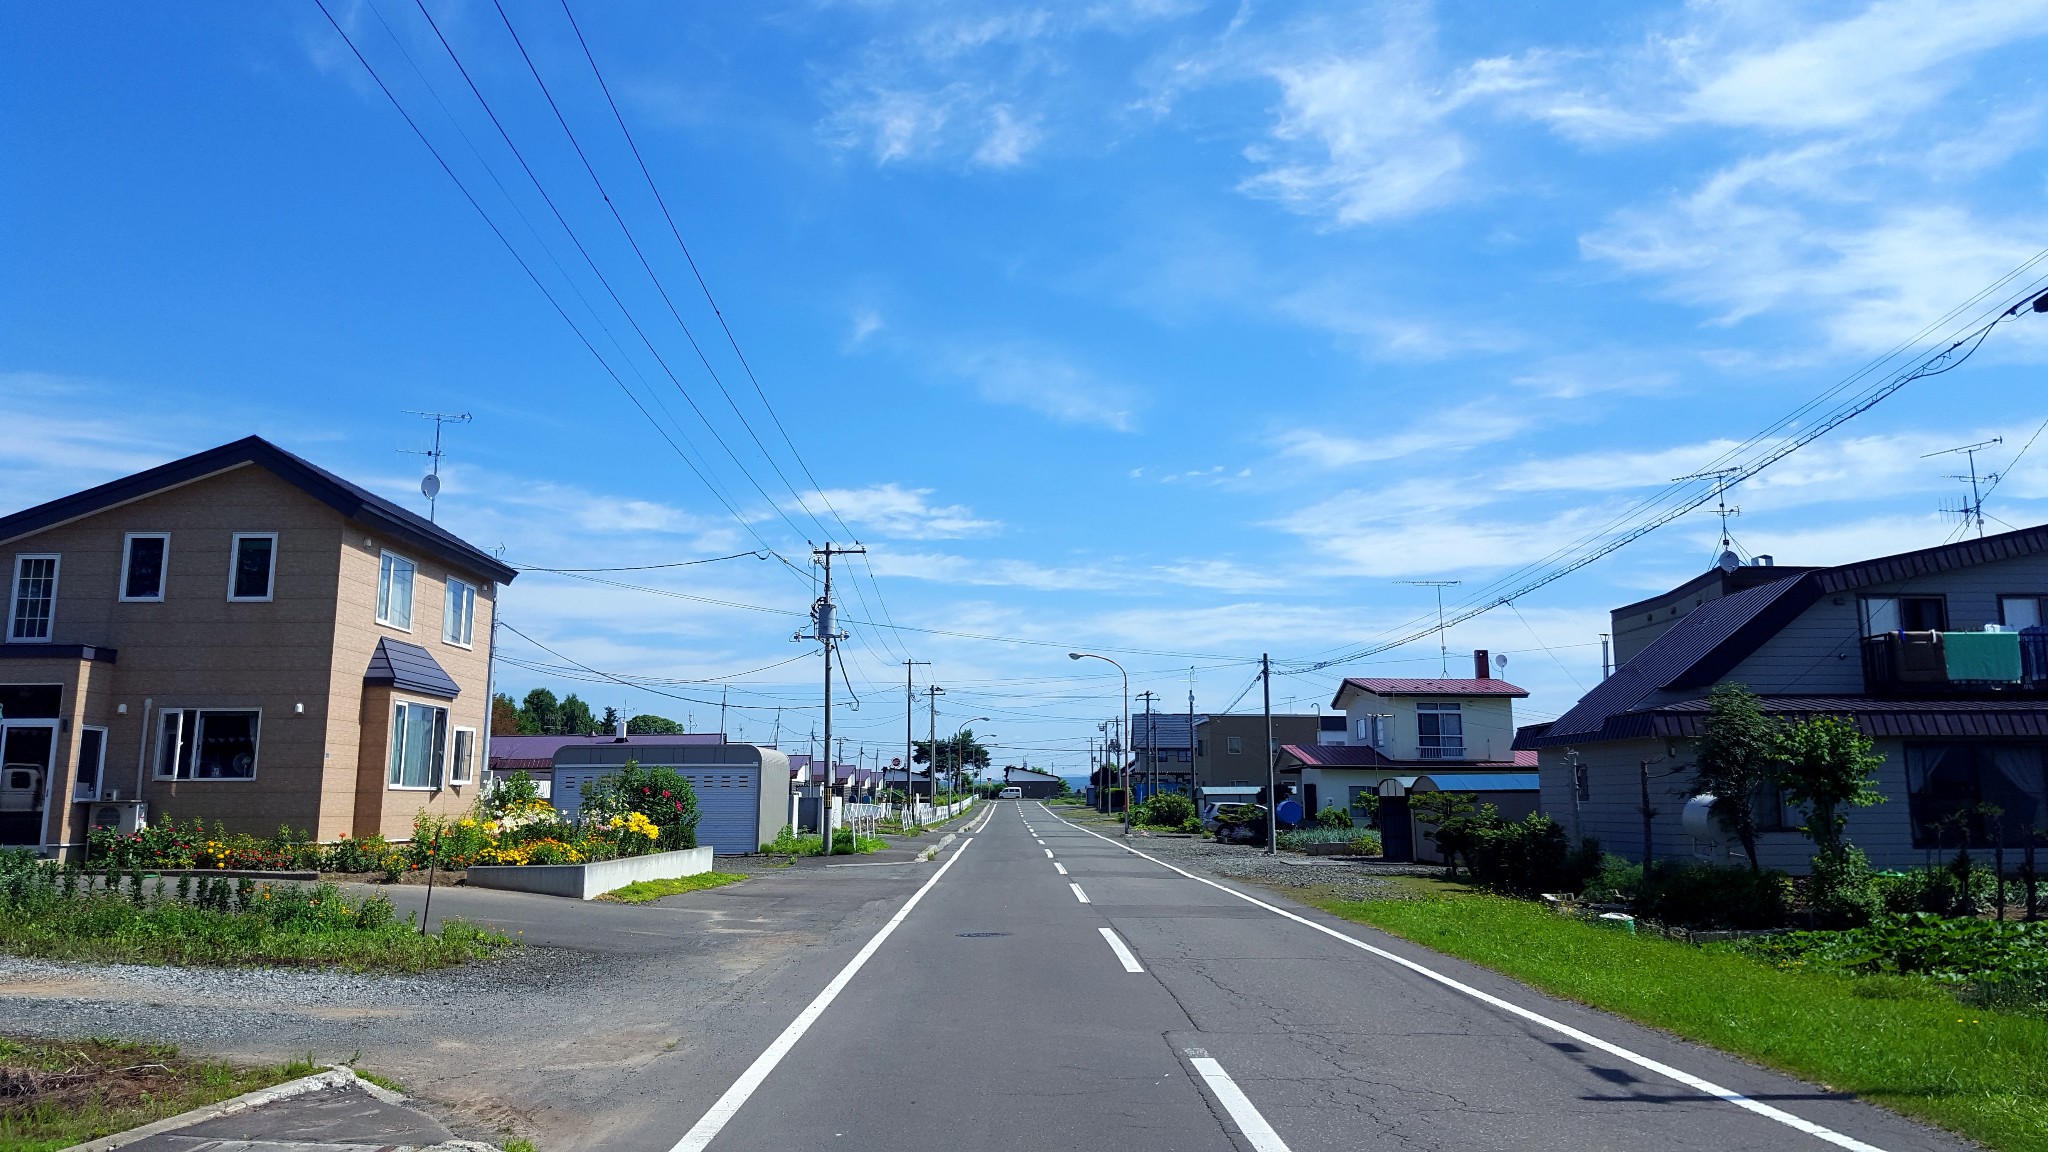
point(1393, 686)
point(351, 500)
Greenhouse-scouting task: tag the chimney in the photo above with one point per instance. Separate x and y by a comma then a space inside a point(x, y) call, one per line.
point(619, 731)
point(1482, 669)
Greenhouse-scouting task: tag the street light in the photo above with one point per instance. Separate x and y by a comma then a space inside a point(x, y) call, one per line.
point(958, 762)
point(1126, 728)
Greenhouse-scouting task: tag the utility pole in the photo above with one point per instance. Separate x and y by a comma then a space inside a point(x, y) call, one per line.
point(1151, 743)
point(430, 486)
point(1443, 650)
point(1191, 733)
point(1272, 768)
point(723, 690)
point(776, 741)
point(932, 741)
point(824, 629)
point(909, 706)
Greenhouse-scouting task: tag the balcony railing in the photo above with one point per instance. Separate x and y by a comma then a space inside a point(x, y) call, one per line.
point(1956, 663)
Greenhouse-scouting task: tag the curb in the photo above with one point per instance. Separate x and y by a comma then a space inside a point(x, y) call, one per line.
point(926, 856)
point(336, 1076)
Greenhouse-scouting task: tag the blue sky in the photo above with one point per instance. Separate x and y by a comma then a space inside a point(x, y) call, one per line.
point(1188, 329)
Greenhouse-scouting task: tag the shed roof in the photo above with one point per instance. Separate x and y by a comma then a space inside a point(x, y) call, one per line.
point(410, 668)
point(1410, 686)
point(1483, 781)
point(351, 500)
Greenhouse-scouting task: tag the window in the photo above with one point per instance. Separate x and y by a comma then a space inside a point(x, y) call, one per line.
point(1233, 745)
point(207, 744)
point(461, 764)
point(1184, 756)
point(458, 615)
point(35, 599)
point(1767, 809)
point(1364, 801)
point(1440, 730)
point(92, 756)
point(1952, 790)
point(419, 745)
point(142, 565)
point(394, 592)
point(1582, 779)
point(1882, 614)
point(253, 564)
point(1372, 730)
point(2022, 611)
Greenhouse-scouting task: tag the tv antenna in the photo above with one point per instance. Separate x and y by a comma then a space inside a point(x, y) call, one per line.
point(430, 484)
point(1443, 650)
point(1725, 556)
point(1974, 510)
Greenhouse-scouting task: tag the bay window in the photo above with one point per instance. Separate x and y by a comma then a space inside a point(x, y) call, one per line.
point(419, 745)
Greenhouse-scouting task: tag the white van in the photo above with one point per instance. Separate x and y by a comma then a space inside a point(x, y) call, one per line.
point(1010, 794)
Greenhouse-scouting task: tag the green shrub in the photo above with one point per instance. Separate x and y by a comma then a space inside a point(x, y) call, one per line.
point(1840, 889)
point(1690, 894)
point(1332, 816)
point(1166, 810)
point(1529, 857)
point(661, 794)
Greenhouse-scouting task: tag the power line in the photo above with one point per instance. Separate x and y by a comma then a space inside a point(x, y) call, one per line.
point(644, 567)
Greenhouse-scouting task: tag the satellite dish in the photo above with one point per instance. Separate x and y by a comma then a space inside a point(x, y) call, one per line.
point(431, 486)
point(1729, 561)
point(1500, 661)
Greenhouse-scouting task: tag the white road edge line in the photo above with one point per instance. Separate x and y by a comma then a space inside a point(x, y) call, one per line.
point(728, 1105)
point(1062, 867)
point(1078, 894)
point(1704, 1086)
point(1257, 1132)
point(1123, 952)
point(1048, 853)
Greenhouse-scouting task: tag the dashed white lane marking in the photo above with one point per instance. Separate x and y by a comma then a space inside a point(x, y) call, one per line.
point(735, 1097)
point(1078, 894)
point(1041, 843)
point(1123, 951)
point(1696, 1083)
point(1048, 853)
point(1060, 866)
point(1257, 1132)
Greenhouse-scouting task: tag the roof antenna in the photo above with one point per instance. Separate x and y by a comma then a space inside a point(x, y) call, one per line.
point(1974, 510)
point(1443, 651)
point(1725, 557)
point(430, 485)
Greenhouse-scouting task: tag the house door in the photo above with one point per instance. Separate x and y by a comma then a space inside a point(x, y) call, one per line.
point(1397, 832)
point(1308, 801)
point(27, 754)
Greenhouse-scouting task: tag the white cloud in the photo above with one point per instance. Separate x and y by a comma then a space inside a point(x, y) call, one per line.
point(1047, 383)
point(1008, 139)
point(901, 513)
point(1442, 433)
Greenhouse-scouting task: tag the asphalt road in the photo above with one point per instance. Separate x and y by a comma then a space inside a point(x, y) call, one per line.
point(998, 1014)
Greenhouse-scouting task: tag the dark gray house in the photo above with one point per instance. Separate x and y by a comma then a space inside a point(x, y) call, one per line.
point(1939, 655)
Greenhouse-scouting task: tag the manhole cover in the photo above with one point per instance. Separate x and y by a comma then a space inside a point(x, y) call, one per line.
point(980, 935)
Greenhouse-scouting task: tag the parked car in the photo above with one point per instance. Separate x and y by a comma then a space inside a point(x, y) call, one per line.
point(21, 788)
point(1241, 824)
point(1010, 794)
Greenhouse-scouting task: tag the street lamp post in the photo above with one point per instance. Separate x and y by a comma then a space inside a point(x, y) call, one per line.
point(1126, 729)
point(959, 760)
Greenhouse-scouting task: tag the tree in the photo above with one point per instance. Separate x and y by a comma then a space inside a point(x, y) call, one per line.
point(954, 755)
point(1459, 818)
point(609, 722)
point(540, 714)
point(1736, 758)
point(504, 716)
point(1827, 767)
point(575, 718)
point(648, 724)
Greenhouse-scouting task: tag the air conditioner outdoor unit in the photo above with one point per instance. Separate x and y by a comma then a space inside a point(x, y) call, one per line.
point(124, 816)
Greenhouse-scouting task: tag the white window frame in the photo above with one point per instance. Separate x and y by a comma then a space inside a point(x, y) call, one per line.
point(14, 596)
point(1233, 745)
point(199, 725)
point(99, 775)
point(163, 580)
point(461, 769)
point(2040, 607)
point(386, 562)
point(234, 562)
point(1441, 750)
point(437, 769)
point(462, 594)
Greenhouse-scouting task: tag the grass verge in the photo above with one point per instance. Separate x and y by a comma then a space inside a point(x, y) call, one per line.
point(642, 891)
point(1902, 1043)
point(56, 1093)
point(59, 917)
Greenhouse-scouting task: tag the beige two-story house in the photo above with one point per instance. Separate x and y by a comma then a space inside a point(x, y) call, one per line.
point(242, 637)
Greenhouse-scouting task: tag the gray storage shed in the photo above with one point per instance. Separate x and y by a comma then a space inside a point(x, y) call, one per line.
point(742, 789)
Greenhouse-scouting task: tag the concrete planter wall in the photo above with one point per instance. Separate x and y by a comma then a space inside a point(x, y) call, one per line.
point(586, 881)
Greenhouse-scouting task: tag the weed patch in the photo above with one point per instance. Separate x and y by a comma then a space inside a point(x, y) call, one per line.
point(642, 891)
point(56, 1093)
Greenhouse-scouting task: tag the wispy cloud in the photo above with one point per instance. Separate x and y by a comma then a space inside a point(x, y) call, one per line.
point(901, 513)
point(1046, 382)
point(1442, 433)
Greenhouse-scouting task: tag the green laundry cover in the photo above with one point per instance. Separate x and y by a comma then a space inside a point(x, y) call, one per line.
point(1982, 655)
